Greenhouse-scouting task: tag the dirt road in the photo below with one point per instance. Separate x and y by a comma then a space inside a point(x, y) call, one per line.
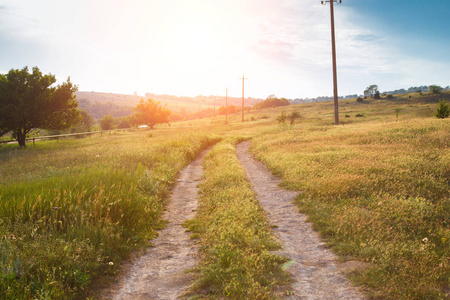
point(160, 273)
point(313, 266)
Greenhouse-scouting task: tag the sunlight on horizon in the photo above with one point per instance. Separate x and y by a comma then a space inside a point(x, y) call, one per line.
point(194, 47)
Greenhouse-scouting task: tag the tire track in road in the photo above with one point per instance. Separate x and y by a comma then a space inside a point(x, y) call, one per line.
point(161, 272)
point(313, 266)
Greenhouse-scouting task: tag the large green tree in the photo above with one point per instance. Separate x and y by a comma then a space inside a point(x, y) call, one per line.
point(150, 113)
point(29, 100)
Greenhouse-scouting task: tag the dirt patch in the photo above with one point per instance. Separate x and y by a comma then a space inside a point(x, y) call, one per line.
point(313, 266)
point(161, 272)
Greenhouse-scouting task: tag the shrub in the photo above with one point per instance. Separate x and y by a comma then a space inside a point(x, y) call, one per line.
point(434, 89)
point(293, 116)
point(271, 101)
point(443, 110)
point(390, 96)
point(281, 119)
point(360, 115)
point(359, 99)
point(397, 111)
point(107, 122)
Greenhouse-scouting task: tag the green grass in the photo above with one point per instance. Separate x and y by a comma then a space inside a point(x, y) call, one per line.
point(71, 211)
point(376, 191)
point(235, 238)
point(376, 188)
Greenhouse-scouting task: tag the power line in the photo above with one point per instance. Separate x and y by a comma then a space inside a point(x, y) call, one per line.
point(311, 14)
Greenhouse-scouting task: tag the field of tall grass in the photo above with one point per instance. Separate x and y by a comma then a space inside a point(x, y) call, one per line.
point(376, 191)
point(375, 187)
point(70, 211)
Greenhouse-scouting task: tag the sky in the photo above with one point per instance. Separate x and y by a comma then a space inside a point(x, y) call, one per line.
point(203, 47)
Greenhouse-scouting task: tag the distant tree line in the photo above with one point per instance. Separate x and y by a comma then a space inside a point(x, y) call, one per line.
point(272, 101)
point(97, 109)
point(418, 89)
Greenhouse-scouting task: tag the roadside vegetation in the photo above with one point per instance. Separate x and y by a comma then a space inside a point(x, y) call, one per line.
point(376, 188)
point(235, 237)
point(377, 192)
point(71, 211)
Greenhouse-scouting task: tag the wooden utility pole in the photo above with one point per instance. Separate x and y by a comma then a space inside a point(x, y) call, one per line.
point(333, 50)
point(226, 106)
point(243, 78)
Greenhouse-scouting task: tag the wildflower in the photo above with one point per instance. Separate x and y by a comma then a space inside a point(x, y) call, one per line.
point(4, 237)
point(12, 237)
point(425, 240)
point(110, 263)
point(55, 208)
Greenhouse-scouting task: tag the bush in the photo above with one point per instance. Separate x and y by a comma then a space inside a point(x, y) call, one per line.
point(359, 99)
point(293, 116)
point(271, 101)
point(107, 122)
point(434, 89)
point(281, 119)
point(390, 96)
point(443, 110)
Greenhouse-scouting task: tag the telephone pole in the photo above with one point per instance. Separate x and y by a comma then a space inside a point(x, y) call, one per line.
point(243, 78)
point(333, 50)
point(226, 106)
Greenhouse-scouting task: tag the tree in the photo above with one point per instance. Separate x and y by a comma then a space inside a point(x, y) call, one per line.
point(107, 122)
point(371, 91)
point(150, 113)
point(271, 101)
point(443, 110)
point(28, 100)
point(377, 95)
point(123, 123)
point(87, 121)
point(85, 124)
point(231, 109)
point(435, 89)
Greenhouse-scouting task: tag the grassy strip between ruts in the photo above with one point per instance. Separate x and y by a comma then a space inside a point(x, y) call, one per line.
point(234, 234)
point(378, 193)
point(70, 212)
